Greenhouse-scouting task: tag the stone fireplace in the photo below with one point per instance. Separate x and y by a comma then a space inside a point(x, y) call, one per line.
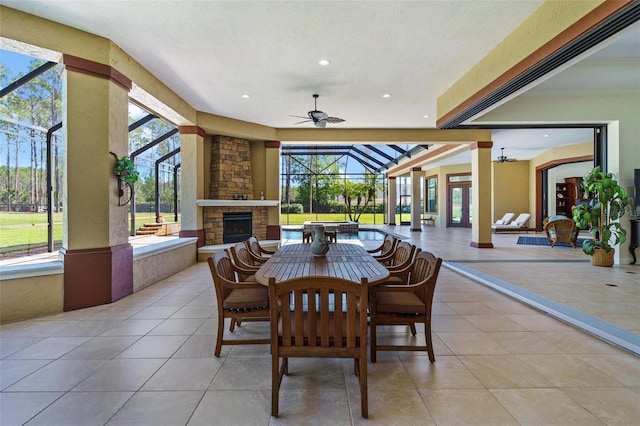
point(236, 226)
point(231, 190)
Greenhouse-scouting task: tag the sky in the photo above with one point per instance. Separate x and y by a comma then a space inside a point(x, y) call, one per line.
point(16, 62)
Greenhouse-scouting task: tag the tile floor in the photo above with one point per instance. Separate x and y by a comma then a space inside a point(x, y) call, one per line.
point(148, 359)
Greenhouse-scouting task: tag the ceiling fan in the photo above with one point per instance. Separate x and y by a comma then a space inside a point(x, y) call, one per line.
point(319, 118)
point(503, 158)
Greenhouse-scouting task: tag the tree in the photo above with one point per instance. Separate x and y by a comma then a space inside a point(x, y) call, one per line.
point(317, 180)
point(358, 195)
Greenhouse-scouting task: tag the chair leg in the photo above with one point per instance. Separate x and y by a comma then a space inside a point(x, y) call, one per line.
point(232, 326)
point(275, 383)
point(364, 396)
point(372, 339)
point(412, 326)
point(427, 335)
point(220, 335)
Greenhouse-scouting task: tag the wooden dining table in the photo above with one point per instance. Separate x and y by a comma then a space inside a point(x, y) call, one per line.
point(343, 260)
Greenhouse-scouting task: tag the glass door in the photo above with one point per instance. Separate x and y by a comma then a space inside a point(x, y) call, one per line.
point(460, 202)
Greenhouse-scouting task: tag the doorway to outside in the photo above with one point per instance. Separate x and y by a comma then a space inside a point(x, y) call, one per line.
point(459, 201)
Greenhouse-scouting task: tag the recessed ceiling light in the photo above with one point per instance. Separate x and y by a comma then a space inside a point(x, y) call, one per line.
point(546, 135)
point(386, 95)
point(324, 62)
point(426, 116)
point(245, 96)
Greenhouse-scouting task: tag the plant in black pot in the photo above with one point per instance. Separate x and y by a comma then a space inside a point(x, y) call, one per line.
point(607, 204)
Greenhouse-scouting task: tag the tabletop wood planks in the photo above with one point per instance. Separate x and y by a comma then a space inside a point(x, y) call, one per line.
point(348, 261)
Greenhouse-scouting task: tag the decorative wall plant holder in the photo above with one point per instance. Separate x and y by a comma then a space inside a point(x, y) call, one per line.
point(125, 172)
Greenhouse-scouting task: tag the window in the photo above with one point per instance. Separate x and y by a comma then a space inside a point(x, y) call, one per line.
point(432, 194)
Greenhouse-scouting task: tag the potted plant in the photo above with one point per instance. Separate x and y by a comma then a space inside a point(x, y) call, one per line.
point(607, 204)
point(125, 170)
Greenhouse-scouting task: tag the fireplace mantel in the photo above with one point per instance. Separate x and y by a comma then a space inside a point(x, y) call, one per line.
point(237, 203)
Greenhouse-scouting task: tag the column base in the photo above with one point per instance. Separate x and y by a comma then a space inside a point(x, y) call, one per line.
point(481, 245)
point(97, 276)
point(198, 233)
point(274, 232)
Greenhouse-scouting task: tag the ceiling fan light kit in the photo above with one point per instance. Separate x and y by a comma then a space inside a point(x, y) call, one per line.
point(319, 118)
point(503, 158)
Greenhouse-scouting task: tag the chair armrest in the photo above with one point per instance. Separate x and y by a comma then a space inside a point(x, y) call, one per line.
point(239, 285)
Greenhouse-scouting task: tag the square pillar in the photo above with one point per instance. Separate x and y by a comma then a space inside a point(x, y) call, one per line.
point(272, 187)
point(481, 195)
point(192, 178)
point(98, 259)
point(391, 201)
point(416, 175)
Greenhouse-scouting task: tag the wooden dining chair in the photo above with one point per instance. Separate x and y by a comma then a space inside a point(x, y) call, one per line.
point(406, 304)
point(401, 257)
point(238, 301)
point(246, 265)
point(388, 245)
point(318, 317)
point(256, 250)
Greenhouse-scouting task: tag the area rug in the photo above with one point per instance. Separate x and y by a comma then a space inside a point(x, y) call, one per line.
point(542, 241)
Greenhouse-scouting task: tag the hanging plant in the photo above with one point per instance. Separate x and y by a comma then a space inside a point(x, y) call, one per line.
point(125, 169)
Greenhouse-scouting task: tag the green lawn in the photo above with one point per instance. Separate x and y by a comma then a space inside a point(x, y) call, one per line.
point(20, 231)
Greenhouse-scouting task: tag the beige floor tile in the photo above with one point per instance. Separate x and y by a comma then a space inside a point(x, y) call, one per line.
point(471, 343)
point(492, 323)
point(614, 406)
point(577, 342)
point(184, 374)
point(471, 308)
point(504, 371)
point(517, 342)
point(59, 375)
point(86, 328)
point(233, 407)
point(391, 407)
point(49, 348)
point(12, 370)
point(442, 323)
point(547, 407)
point(177, 327)
point(132, 328)
point(121, 375)
point(155, 312)
point(386, 374)
point(199, 347)
point(107, 347)
point(567, 371)
point(209, 326)
point(446, 372)
point(307, 406)
point(82, 408)
point(243, 373)
point(154, 347)
point(624, 367)
point(9, 345)
point(466, 407)
point(158, 408)
point(16, 408)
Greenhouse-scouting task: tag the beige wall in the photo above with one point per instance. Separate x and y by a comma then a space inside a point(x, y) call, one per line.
point(31, 297)
point(511, 189)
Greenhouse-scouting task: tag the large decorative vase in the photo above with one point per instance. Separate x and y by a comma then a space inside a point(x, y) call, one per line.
point(600, 257)
point(320, 244)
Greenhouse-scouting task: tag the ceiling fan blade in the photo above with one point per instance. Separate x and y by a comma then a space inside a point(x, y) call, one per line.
point(300, 122)
point(317, 115)
point(320, 123)
point(298, 116)
point(334, 120)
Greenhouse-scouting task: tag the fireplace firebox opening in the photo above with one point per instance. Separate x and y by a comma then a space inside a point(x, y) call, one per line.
point(236, 227)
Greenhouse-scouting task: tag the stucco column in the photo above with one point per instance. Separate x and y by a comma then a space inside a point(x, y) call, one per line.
point(391, 201)
point(98, 259)
point(272, 187)
point(416, 175)
point(192, 188)
point(481, 195)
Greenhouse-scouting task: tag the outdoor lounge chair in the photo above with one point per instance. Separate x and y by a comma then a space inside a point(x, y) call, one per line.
point(518, 224)
point(506, 219)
